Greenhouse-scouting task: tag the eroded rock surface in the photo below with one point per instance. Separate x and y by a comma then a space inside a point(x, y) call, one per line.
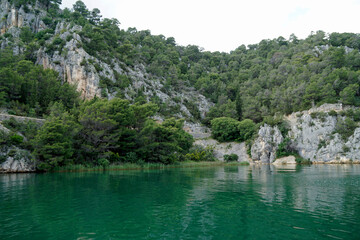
point(266, 144)
point(312, 135)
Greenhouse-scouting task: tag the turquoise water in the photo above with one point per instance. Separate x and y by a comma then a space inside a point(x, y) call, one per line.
point(238, 202)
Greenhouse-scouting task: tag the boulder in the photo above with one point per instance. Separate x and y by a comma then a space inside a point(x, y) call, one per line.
point(285, 160)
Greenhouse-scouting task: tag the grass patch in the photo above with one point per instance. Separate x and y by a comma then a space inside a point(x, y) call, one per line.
point(145, 166)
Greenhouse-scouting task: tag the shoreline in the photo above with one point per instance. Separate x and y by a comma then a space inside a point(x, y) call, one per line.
point(154, 166)
point(132, 166)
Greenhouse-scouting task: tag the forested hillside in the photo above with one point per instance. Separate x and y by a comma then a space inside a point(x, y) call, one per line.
point(278, 75)
point(82, 51)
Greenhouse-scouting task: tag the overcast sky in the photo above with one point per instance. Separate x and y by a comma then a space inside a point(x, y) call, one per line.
point(223, 25)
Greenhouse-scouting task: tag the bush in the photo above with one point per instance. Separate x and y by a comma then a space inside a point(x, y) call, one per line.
point(246, 129)
point(103, 162)
point(333, 113)
point(198, 154)
point(345, 127)
point(228, 129)
point(278, 121)
point(284, 149)
point(131, 157)
point(16, 139)
point(300, 160)
point(2, 158)
point(231, 158)
point(225, 129)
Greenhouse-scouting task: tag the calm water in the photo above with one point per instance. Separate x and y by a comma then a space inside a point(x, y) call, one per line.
point(242, 202)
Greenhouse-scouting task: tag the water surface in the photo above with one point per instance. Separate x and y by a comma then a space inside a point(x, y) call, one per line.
point(237, 202)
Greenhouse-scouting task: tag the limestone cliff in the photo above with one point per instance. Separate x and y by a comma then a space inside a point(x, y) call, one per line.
point(13, 18)
point(313, 135)
point(265, 145)
point(14, 159)
point(78, 67)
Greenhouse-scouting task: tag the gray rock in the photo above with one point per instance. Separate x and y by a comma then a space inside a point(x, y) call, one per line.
point(220, 149)
point(285, 160)
point(76, 66)
point(17, 160)
point(312, 138)
point(266, 144)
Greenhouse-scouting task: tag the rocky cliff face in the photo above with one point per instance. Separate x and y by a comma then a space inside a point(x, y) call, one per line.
point(266, 144)
point(14, 159)
point(313, 135)
point(13, 18)
point(79, 68)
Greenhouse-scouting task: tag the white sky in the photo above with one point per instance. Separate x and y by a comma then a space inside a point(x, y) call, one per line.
point(226, 24)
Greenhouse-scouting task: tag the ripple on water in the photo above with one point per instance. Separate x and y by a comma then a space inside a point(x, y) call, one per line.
point(214, 203)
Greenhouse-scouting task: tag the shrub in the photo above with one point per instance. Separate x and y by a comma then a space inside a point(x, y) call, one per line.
point(246, 129)
point(2, 158)
point(284, 148)
point(333, 113)
point(231, 158)
point(16, 139)
point(103, 162)
point(198, 154)
point(300, 160)
point(278, 121)
point(58, 41)
point(228, 129)
point(225, 129)
point(131, 157)
point(345, 127)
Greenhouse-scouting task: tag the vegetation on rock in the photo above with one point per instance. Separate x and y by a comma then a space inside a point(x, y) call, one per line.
point(248, 87)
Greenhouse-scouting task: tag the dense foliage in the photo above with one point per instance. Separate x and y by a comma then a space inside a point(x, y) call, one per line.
point(248, 85)
point(96, 132)
point(104, 132)
point(228, 129)
point(252, 82)
point(28, 89)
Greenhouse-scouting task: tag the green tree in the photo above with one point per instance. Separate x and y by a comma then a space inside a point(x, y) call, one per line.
point(165, 143)
point(348, 95)
point(55, 139)
point(225, 129)
point(246, 129)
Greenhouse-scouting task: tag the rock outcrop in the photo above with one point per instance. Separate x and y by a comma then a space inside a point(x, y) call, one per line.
point(14, 18)
point(202, 136)
point(14, 159)
point(76, 66)
point(285, 160)
point(17, 160)
point(313, 136)
point(266, 144)
point(221, 149)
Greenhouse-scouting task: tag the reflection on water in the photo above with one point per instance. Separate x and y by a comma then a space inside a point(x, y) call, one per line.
point(237, 202)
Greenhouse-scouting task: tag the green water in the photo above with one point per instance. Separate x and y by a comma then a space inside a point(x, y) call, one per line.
point(239, 202)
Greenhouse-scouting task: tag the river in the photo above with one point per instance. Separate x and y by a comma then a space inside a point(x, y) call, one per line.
point(231, 202)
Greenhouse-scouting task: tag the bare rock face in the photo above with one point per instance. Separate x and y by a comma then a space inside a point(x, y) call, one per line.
point(221, 149)
point(14, 159)
point(69, 63)
point(84, 71)
point(285, 160)
point(18, 161)
point(266, 144)
point(312, 136)
point(17, 18)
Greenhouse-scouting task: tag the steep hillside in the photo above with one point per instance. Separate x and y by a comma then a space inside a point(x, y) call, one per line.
point(101, 59)
point(131, 83)
point(66, 42)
